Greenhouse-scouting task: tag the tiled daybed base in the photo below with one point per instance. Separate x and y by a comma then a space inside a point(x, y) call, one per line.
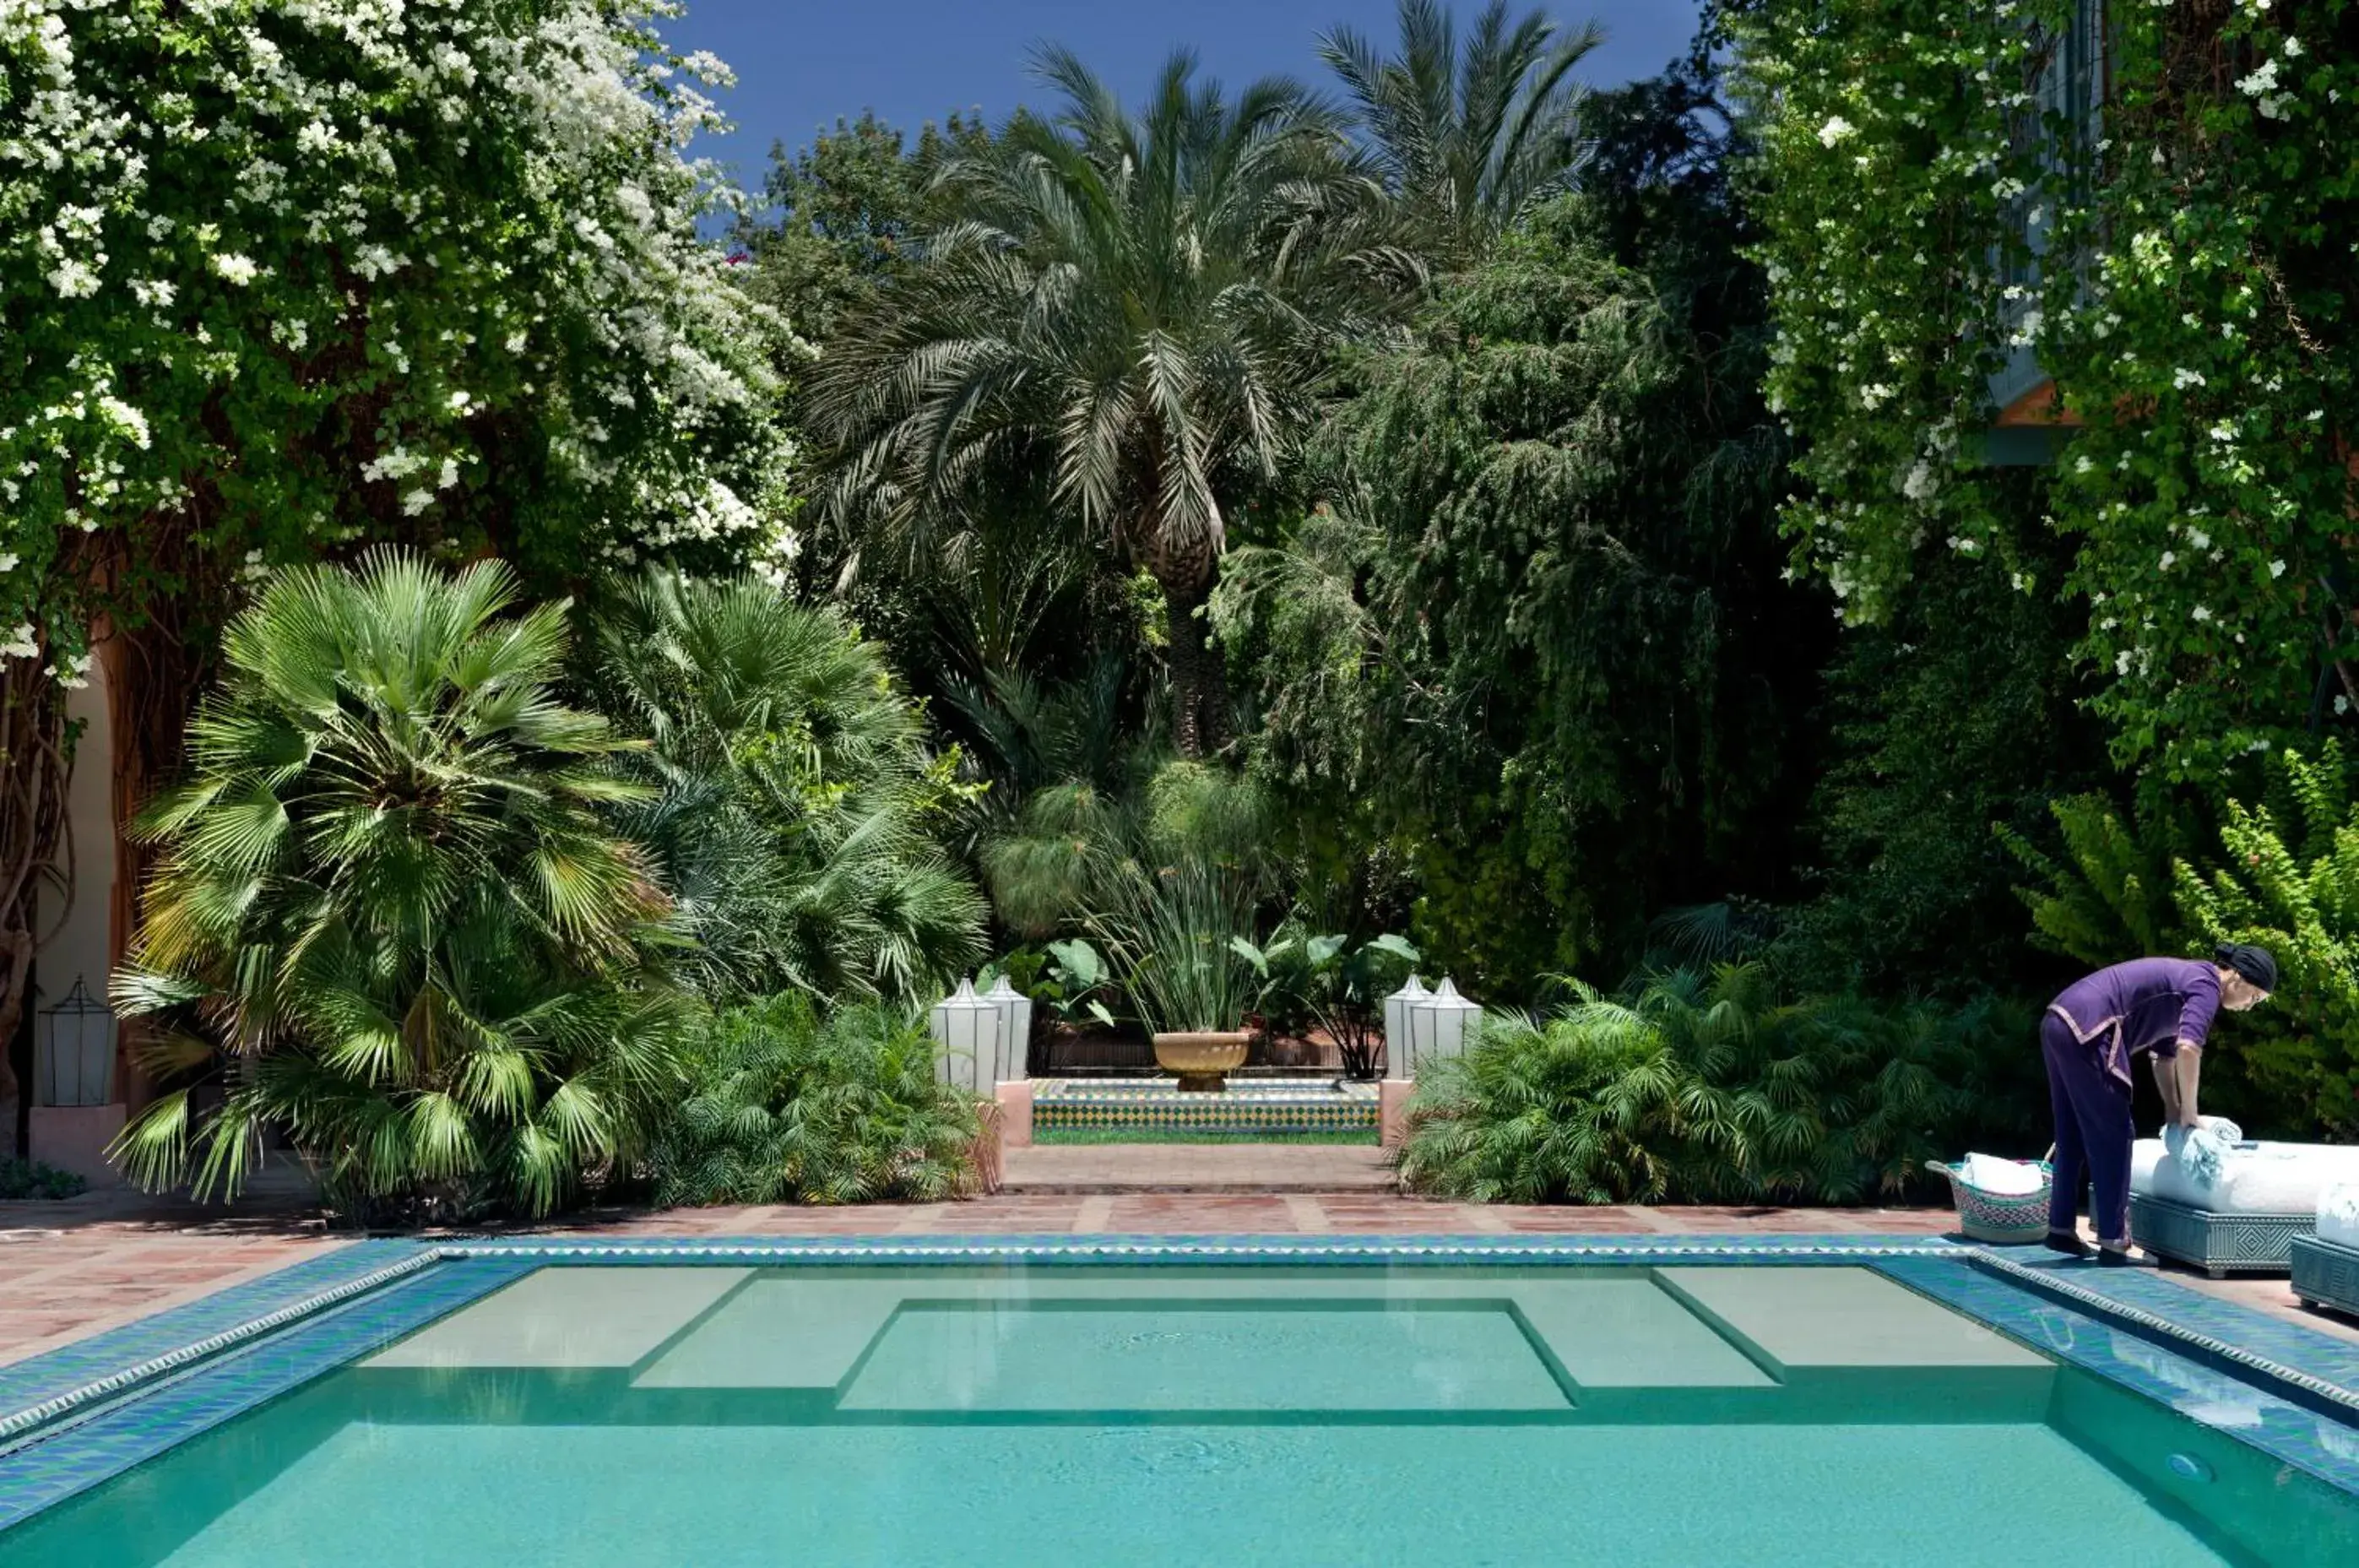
point(2326, 1273)
point(2216, 1243)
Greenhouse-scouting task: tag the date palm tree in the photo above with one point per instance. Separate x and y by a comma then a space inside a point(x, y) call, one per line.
point(1471, 135)
point(1129, 307)
point(390, 919)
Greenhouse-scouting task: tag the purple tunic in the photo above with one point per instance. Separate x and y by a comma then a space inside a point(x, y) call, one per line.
point(2147, 1004)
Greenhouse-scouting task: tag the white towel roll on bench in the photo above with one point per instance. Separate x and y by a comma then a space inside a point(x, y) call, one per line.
point(2267, 1179)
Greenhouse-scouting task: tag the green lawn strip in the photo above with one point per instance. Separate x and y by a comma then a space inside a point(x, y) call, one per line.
point(1364, 1136)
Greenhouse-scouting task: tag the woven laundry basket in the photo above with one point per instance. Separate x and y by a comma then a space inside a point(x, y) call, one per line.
point(2003, 1217)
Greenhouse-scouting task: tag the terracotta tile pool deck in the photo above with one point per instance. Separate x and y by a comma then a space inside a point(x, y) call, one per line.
point(78, 1266)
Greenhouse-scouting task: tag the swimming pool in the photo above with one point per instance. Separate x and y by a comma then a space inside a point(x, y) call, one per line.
point(1037, 1407)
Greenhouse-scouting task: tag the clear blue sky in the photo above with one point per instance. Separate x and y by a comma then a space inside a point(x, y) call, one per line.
point(801, 63)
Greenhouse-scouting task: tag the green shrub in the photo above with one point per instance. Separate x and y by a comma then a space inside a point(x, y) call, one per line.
point(782, 1108)
point(2284, 874)
point(391, 916)
point(1702, 1088)
point(2110, 897)
point(2288, 879)
point(791, 802)
point(31, 1179)
point(1307, 978)
point(1165, 877)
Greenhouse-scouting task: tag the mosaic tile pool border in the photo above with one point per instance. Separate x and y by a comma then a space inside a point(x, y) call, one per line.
point(2139, 1295)
point(92, 1449)
point(1332, 1115)
point(128, 1413)
point(2229, 1401)
point(59, 1372)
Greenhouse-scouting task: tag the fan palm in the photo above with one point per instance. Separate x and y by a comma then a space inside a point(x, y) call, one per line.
point(788, 794)
point(1131, 306)
point(390, 917)
point(1469, 137)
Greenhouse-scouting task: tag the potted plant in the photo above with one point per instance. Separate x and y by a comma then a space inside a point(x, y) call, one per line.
point(1176, 945)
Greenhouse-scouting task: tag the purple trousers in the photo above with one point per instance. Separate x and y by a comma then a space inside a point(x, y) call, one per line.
point(2093, 1134)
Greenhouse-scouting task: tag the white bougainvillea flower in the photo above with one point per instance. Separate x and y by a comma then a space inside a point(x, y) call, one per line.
point(1835, 130)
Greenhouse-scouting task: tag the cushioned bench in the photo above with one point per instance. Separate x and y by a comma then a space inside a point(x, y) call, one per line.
point(2326, 1266)
point(2247, 1220)
point(2326, 1273)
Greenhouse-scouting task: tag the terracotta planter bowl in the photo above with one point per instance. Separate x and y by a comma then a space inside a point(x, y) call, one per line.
point(1202, 1061)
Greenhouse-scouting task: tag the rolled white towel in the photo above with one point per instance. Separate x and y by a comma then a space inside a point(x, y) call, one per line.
point(2221, 1128)
point(2000, 1177)
point(2199, 1151)
point(2338, 1213)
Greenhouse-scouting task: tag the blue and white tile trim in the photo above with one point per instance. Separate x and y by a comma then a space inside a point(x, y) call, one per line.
point(2235, 1338)
point(87, 1450)
point(167, 1333)
point(78, 1417)
point(2253, 1410)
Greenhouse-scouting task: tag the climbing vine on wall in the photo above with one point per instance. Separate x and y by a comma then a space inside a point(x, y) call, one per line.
point(2172, 235)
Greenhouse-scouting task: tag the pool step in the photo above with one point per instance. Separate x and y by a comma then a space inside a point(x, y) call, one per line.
point(1116, 1168)
point(661, 1344)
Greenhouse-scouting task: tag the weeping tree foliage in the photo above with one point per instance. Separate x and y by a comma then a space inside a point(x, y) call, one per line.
point(788, 796)
point(1702, 1088)
point(1133, 307)
point(781, 1108)
point(1469, 135)
point(1535, 634)
point(1963, 711)
point(390, 916)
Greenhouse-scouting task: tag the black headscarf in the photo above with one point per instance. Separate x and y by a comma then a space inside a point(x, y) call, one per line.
point(2255, 963)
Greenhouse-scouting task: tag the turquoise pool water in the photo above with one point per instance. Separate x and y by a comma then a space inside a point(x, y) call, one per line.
point(1625, 1416)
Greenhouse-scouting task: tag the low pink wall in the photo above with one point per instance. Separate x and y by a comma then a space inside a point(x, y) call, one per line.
point(1015, 1114)
point(74, 1137)
point(1392, 1110)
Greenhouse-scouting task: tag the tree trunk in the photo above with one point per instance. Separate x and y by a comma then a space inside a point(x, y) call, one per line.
point(33, 831)
point(1200, 681)
point(1185, 571)
point(154, 673)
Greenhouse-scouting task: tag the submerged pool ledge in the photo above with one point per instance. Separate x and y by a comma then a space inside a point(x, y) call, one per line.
point(114, 1360)
point(78, 1416)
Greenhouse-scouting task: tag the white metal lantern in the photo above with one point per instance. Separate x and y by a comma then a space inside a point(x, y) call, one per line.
point(1396, 1025)
point(1441, 1026)
point(1015, 1010)
point(966, 1027)
point(79, 1038)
